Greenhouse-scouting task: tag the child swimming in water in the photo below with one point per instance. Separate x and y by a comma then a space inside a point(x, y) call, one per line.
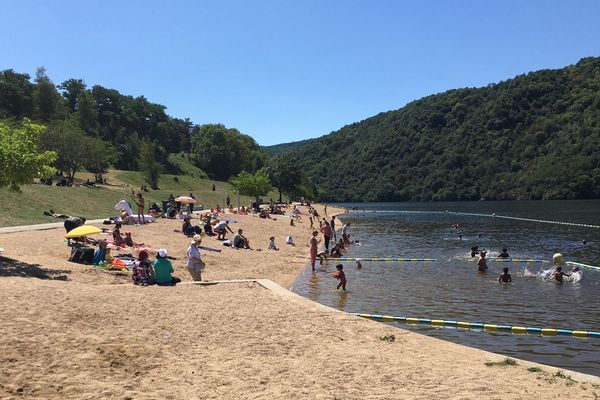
point(558, 274)
point(358, 264)
point(505, 277)
point(341, 276)
point(504, 253)
point(482, 262)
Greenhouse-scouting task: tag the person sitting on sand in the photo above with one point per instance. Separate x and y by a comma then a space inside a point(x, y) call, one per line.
point(129, 240)
point(504, 253)
point(188, 229)
point(505, 276)
point(482, 262)
point(290, 240)
point(195, 265)
point(558, 274)
point(272, 245)
point(117, 237)
point(163, 270)
point(100, 253)
point(221, 229)
point(142, 270)
point(340, 276)
point(240, 241)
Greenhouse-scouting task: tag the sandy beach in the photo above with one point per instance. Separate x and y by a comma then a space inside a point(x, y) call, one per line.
point(72, 331)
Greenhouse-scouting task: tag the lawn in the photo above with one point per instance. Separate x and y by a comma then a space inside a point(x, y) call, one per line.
point(28, 206)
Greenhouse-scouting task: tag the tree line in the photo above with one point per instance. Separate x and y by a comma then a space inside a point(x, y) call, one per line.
point(536, 136)
point(95, 128)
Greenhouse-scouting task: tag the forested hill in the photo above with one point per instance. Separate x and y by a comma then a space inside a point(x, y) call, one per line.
point(536, 136)
point(284, 148)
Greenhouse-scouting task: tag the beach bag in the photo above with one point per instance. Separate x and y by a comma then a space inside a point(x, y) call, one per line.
point(82, 255)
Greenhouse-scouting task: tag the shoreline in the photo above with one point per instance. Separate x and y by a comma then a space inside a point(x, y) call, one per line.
point(224, 340)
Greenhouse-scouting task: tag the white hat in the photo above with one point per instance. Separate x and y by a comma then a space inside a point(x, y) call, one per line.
point(196, 239)
point(162, 253)
point(358, 260)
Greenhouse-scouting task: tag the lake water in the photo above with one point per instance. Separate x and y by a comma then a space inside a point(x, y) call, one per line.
point(452, 289)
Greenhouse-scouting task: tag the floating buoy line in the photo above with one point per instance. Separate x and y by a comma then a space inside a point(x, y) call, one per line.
point(478, 326)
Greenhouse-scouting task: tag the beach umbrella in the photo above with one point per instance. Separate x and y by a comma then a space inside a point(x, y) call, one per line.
point(83, 230)
point(186, 199)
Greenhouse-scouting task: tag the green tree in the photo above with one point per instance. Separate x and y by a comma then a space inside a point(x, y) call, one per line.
point(225, 152)
point(20, 158)
point(46, 97)
point(70, 144)
point(254, 185)
point(87, 113)
point(284, 174)
point(16, 95)
point(100, 155)
point(72, 89)
point(150, 152)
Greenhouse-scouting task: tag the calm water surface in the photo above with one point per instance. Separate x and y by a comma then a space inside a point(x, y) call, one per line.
point(452, 289)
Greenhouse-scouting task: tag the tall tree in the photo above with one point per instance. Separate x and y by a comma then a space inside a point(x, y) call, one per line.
point(284, 174)
point(70, 143)
point(254, 185)
point(46, 97)
point(150, 152)
point(87, 113)
point(16, 95)
point(71, 91)
point(20, 158)
point(100, 155)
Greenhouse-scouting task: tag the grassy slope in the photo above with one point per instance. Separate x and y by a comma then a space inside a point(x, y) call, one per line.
point(28, 207)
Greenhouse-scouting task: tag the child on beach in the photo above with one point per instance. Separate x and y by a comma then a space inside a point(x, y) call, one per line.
point(340, 276)
point(314, 246)
point(505, 277)
point(272, 245)
point(141, 274)
point(358, 264)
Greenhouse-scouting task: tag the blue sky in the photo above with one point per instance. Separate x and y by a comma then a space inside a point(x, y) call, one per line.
point(288, 70)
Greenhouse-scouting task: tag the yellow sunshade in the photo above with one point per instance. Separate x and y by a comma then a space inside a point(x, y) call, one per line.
point(83, 230)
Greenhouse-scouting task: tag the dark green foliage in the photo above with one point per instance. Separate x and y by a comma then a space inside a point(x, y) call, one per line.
point(284, 148)
point(150, 153)
point(16, 95)
point(536, 136)
point(224, 152)
point(284, 174)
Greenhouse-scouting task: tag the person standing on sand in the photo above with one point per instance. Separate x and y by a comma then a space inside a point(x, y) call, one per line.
point(314, 248)
point(195, 265)
point(141, 205)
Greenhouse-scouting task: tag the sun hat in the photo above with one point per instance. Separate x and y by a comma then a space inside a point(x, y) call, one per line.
point(196, 239)
point(162, 253)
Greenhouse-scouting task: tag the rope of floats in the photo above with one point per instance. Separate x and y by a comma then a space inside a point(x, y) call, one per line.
point(509, 260)
point(493, 215)
point(520, 330)
point(497, 260)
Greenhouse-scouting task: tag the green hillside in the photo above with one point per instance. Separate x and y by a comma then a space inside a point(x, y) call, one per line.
point(284, 148)
point(98, 202)
point(536, 136)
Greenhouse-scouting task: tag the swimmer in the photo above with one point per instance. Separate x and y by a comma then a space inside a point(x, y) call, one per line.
point(455, 227)
point(482, 262)
point(358, 264)
point(341, 276)
point(504, 253)
point(474, 251)
point(460, 237)
point(505, 277)
point(584, 242)
point(558, 274)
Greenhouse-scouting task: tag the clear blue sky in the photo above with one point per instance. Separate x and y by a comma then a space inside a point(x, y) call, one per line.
point(287, 70)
